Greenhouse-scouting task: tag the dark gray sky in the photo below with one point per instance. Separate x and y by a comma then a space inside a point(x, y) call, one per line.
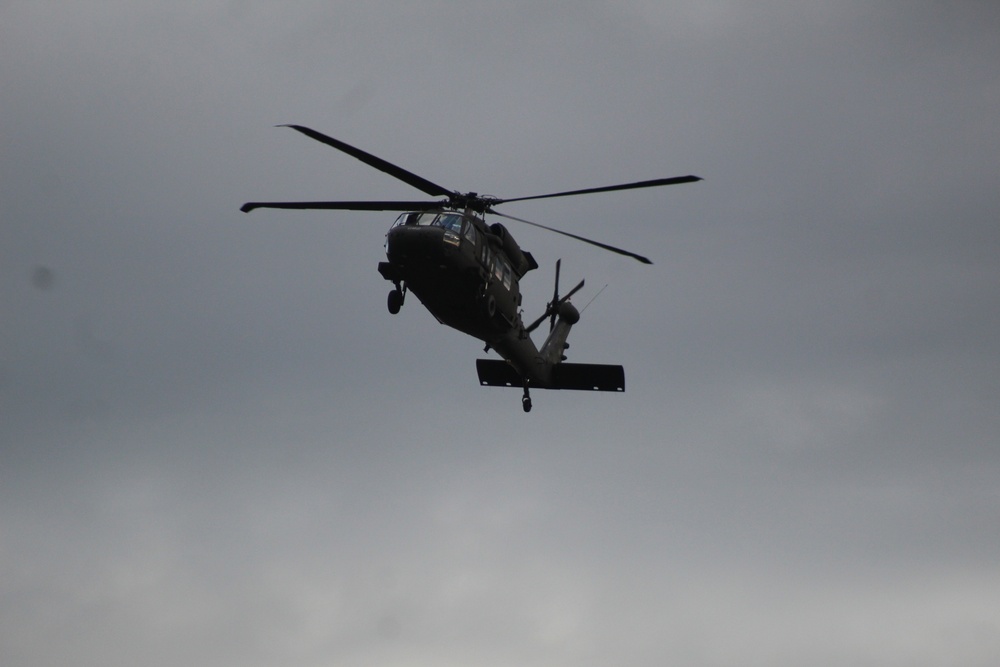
point(218, 448)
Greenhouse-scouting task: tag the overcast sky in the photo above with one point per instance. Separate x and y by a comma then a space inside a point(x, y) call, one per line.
point(217, 447)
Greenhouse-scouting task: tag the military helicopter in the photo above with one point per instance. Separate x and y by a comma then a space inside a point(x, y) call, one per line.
point(467, 273)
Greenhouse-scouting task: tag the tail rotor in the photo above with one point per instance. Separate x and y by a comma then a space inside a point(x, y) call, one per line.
point(552, 308)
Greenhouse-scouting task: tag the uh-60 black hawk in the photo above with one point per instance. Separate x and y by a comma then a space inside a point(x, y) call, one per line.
point(467, 273)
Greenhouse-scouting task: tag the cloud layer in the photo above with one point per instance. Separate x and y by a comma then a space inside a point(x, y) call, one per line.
point(218, 448)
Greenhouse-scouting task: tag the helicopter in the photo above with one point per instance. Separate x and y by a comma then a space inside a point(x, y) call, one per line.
point(467, 273)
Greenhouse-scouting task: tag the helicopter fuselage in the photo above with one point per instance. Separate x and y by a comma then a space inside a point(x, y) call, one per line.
point(467, 274)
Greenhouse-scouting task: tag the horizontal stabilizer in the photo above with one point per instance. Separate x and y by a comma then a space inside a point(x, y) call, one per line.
point(582, 377)
point(493, 373)
point(589, 377)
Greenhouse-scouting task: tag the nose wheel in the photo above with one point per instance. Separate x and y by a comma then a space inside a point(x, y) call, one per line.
point(526, 399)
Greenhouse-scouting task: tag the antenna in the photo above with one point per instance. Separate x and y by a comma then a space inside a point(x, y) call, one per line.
point(592, 300)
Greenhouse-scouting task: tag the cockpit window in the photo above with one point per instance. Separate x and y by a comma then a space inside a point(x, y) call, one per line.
point(416, 218)
point(452, 221)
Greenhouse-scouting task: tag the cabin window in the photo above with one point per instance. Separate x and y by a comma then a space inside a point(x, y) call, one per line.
point(506, 275)
point(470, 233)
point(498, 269)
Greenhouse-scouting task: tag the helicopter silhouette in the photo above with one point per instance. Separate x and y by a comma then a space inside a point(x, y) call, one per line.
point(467, 273)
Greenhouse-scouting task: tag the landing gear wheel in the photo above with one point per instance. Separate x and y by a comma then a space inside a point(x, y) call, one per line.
point(526, 403)
point(395, 301)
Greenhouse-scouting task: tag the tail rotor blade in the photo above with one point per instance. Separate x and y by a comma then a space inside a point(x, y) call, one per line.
point(555, 296)
point(573, 291)
point(555, 304)
point(534, 325)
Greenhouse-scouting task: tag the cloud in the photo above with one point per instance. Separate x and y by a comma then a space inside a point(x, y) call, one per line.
point(218, 447)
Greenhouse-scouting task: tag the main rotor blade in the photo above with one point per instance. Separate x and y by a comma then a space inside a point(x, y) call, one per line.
point(347, 205)
point(644, 260)
point(407, 177)
point(610, 188)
